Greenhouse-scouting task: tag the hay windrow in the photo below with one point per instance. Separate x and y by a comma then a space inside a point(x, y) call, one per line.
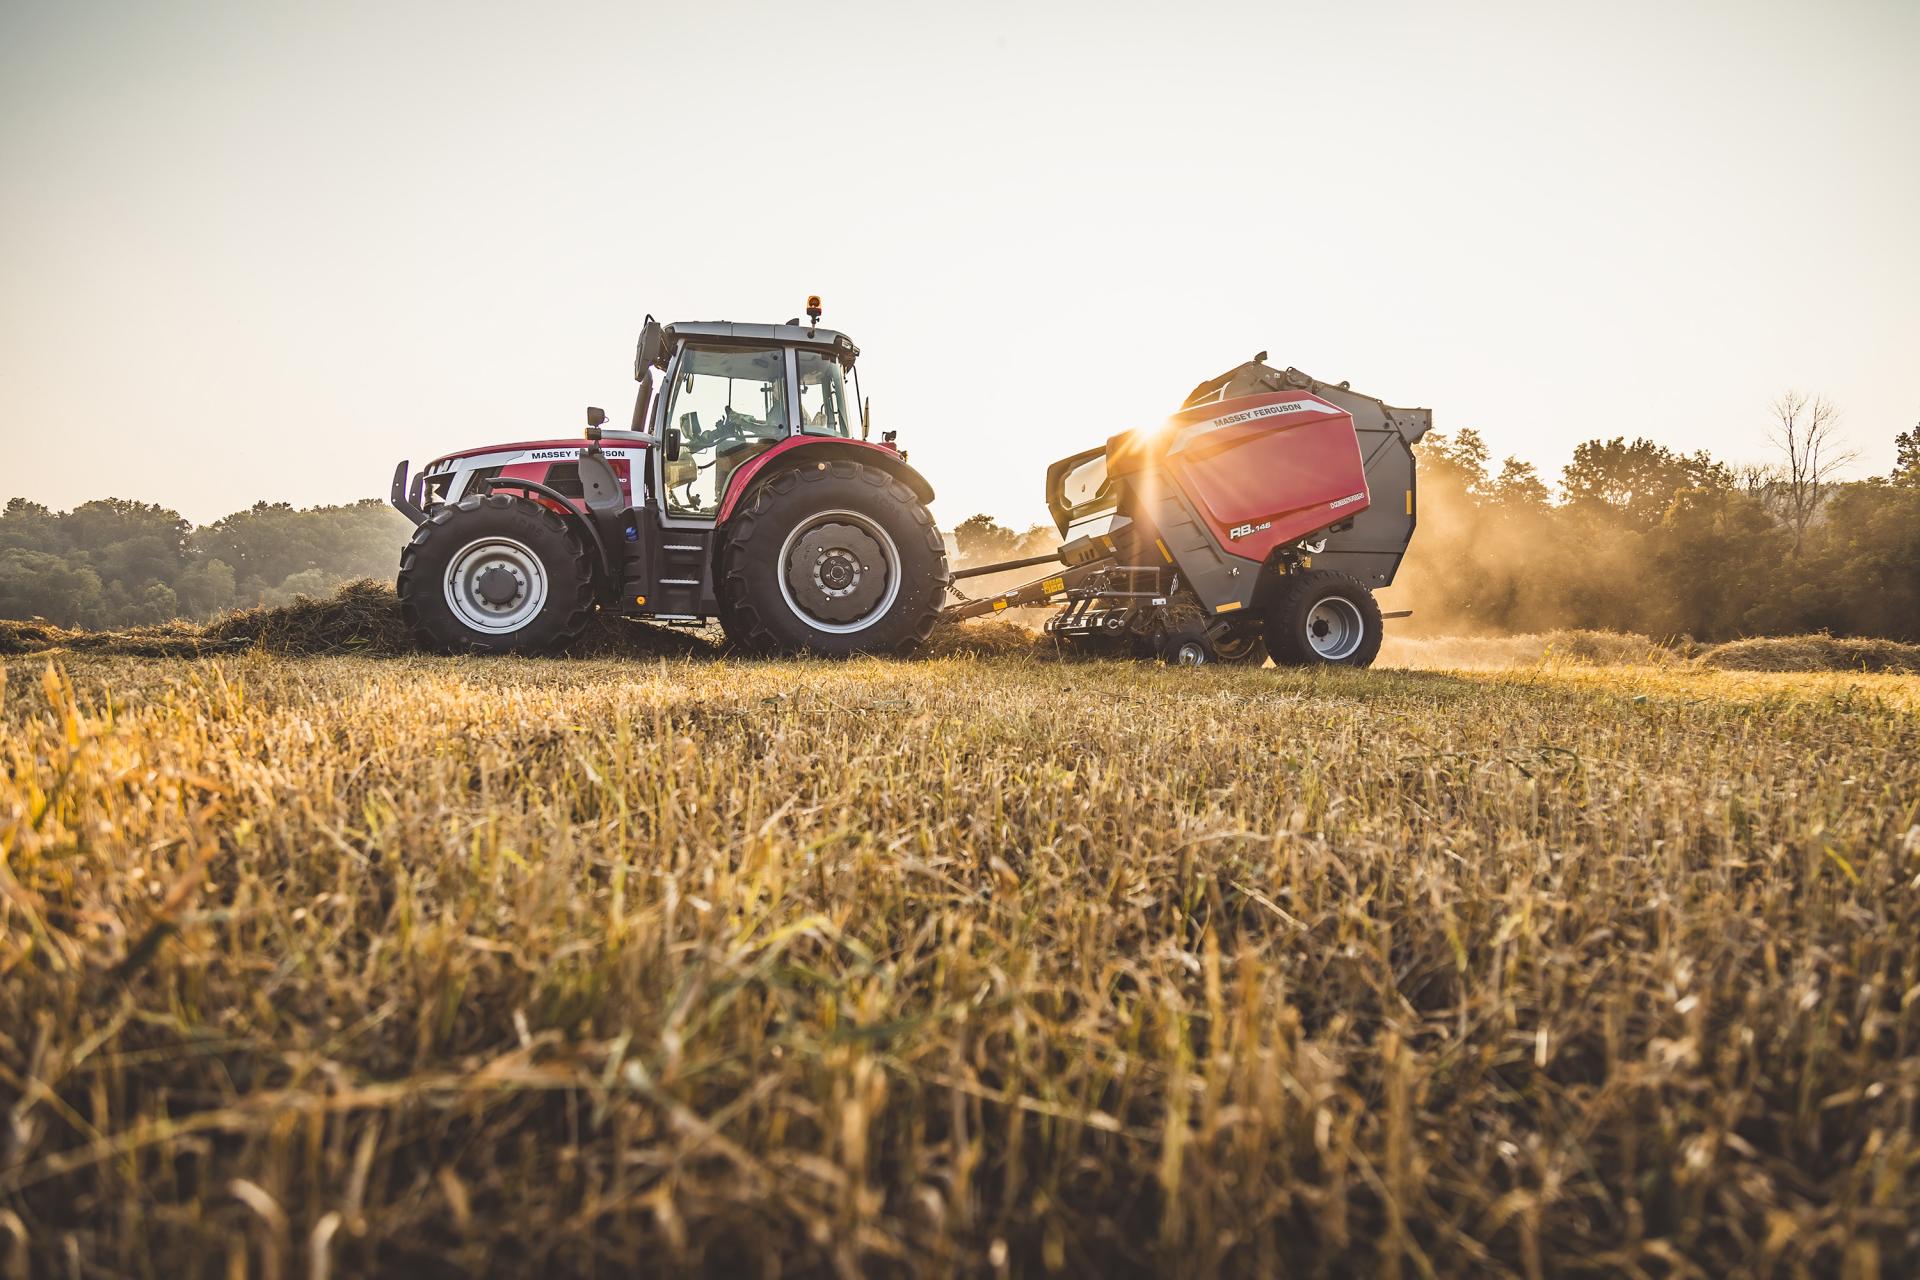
point(988, 638)
point(1813, 653)
point(361, 619)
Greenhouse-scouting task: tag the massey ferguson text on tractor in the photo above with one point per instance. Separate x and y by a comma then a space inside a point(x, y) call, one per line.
point(742, 492)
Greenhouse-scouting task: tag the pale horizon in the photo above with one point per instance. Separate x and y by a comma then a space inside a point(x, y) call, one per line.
point(265, 253)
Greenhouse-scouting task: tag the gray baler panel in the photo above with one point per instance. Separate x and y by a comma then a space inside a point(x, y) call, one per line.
point(1372, 549)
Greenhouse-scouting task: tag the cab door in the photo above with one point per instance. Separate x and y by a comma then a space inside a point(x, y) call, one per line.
point(728, 403)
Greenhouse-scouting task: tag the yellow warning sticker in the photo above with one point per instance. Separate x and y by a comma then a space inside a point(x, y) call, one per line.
point(1228, 607)
point(1052, 585)
point(1164, 553)
point(999, 604)
point(1409, 502)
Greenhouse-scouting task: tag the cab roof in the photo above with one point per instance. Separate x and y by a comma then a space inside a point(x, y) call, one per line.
point(794, 335)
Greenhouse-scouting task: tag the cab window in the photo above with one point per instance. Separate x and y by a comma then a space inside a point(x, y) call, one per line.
point(824, 408)
point(728, 404)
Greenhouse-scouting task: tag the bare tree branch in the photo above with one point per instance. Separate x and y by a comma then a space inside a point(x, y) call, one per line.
point(1806, 432)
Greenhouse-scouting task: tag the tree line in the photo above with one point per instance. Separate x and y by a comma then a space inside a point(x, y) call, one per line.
point(118, 563)
point(1641, 537)
point(1637, 537)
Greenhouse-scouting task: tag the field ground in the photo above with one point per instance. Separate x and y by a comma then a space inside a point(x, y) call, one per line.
point(982, 964)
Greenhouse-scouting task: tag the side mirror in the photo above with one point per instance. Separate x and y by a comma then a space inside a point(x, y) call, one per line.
point(595, 417)
point(673, 444)
point(651, 350)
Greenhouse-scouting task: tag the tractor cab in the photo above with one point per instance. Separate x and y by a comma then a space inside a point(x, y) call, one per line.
point(729, 394)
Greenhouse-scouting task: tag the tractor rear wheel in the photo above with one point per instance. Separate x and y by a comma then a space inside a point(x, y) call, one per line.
point(494, 574)
point(834, 558)
point(1324, 619)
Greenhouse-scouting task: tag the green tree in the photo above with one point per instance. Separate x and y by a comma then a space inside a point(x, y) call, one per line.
point(982, 538)
point(42, 584)
point(1635, 482)
point(1906, 458)
point(30, 526)
point(1518, 487)
point(206, 587)
point(1458, 462)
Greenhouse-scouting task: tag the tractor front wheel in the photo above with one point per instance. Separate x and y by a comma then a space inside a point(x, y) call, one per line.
point(834, 558)
point(494, 574)
point(1324, 619)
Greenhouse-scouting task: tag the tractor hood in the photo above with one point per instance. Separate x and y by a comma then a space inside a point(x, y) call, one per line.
point(570, 447)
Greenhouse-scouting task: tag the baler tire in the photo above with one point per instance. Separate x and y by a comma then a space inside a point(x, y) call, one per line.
point(762, 616)
point(453, 529)
point(1239, 644)
point(1187, 646)
point(1321, 604)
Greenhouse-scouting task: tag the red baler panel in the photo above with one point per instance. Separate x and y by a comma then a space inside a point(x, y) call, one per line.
point(1270, 469)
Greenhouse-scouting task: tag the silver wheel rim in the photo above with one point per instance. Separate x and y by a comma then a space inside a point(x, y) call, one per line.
point(839, 572)
point(496, 585)
point(1190, 653)
point(1334, 628)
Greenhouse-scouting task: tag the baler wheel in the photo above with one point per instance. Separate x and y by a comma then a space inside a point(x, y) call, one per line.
point(1324, 618)
point(834, 558)
point(1239, 644)
point(494, 574)
point(1187, 646)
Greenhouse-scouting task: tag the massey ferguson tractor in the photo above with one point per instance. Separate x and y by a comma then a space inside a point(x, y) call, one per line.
point(1256, 521)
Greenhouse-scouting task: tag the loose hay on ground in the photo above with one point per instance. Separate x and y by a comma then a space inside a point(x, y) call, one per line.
point(361, 619)
point(1546, 648)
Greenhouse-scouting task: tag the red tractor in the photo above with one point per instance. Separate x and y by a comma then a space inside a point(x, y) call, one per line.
point(747, 490)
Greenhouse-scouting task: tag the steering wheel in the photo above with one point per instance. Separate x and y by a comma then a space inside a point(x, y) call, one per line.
point(726, 435)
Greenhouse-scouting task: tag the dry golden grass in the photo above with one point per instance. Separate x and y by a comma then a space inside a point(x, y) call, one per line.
point(1533, 649)
point(335, 965)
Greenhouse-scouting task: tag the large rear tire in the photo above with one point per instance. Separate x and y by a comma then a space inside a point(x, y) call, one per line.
point(494, 574)
point(834, 558)
point(1324, 619)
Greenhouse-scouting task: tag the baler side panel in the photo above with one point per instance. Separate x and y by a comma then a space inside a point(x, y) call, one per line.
point(1223, 580)
point(1267, 486)
point(1373, 548)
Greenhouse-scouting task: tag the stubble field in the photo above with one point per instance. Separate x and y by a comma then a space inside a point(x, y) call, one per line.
point(980, 964)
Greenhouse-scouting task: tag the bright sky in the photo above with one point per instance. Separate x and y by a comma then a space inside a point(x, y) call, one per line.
point(264, 250)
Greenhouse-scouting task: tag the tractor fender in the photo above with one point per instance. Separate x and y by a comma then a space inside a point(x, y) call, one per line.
point(562, 506)
point(804, 450)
